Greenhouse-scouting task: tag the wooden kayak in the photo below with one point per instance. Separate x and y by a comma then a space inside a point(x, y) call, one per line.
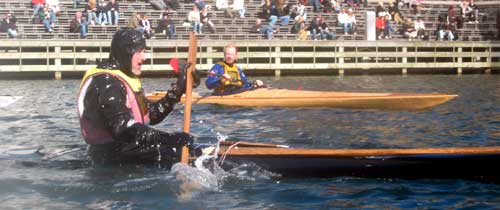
point(477, 163)
point(297, 98)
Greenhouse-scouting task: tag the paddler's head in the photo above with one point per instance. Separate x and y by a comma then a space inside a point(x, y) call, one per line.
point(230, 54)
point(128, 51)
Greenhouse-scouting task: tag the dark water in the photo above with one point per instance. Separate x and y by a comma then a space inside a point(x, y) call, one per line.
point(46, 116)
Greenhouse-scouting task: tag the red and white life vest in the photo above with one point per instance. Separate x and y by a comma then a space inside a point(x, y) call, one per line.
point(98, 135)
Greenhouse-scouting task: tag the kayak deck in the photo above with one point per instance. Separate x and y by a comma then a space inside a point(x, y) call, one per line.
point(298, 98)
point(475, 163)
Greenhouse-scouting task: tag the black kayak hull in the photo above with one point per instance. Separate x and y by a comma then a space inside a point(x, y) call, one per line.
point(476, 166)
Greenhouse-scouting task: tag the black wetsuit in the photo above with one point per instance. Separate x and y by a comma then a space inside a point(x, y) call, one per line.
point(104, 106)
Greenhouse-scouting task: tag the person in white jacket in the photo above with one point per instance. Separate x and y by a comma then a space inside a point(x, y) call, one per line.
point(194, 18)
point(239, 7)
point(342, 20)
point(420, 28)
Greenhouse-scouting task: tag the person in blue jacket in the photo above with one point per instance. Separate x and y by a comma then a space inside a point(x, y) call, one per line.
point(226, 77)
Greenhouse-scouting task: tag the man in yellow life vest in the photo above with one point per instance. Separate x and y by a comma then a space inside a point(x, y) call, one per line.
point(115, 114)
point(226, 77)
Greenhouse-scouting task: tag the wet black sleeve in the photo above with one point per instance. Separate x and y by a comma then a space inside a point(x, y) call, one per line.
point(111, 100)
point(160, 109)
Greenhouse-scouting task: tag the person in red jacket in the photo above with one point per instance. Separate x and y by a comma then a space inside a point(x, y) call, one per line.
point(380, 26)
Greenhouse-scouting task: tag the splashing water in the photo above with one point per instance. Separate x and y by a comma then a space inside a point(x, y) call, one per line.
point(205, 157)
point(205, 176)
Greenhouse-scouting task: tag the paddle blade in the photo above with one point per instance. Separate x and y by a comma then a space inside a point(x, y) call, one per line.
point(174, 63)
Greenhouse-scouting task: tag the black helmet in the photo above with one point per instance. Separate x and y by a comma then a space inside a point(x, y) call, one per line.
point(123, 46)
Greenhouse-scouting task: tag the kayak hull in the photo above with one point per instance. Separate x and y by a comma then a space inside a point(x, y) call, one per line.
point(446, 163)
point(298, 98)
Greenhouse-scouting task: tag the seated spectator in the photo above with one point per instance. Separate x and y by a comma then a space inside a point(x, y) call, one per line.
point(146, 25)
point(264, 29)
point(342, 20)
point(351, 22)
point(380, 10)
point(47, 20)
point(451, 17)
point(206, 20)
point(380, 26)
point(53, 6)
point(266, 10)
point(113, 12)
point(222, 5)
point(300, 29)
point(314, 28)
point(325, 31)
point(166, 26)
point(420, 28)
point(395, 13)
point(278, 11)
point(91, 11)
point(135, 22)
point(238, 8)
point(473, 13)
point(409, 29)
point(464, 8)
point(9, 25)
point(299, 11)
point(78, 25)
point(195, 20)
point(51, 11)
point(37, 5)
point(102, 12)
point(446, 30)
point(102, 9)
point(297, 26)
point(388, 27)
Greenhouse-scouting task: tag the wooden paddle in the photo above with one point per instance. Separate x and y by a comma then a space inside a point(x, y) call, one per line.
point(193, 44)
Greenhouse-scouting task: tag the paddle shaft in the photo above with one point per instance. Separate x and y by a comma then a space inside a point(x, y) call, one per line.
point(189, 94)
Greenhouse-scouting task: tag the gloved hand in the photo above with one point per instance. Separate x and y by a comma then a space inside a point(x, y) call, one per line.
point(180, 85)
point(258, 84)
point(177, 139)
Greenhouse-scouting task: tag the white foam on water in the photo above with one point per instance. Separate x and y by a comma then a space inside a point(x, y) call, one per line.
point(8, 100)
point(17, 150)
point(205, 176)
point(208, 176)
point(192, 181)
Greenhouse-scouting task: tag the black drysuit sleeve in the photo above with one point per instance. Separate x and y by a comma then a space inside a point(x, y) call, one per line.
point(111, 104)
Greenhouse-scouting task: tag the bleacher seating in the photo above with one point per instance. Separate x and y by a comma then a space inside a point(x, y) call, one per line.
point(229, 28)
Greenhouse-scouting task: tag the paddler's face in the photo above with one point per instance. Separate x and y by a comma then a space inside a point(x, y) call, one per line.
point(230, 55)
point(137, 59)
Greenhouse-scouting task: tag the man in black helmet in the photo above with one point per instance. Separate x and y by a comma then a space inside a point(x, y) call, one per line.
point(115, 114)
